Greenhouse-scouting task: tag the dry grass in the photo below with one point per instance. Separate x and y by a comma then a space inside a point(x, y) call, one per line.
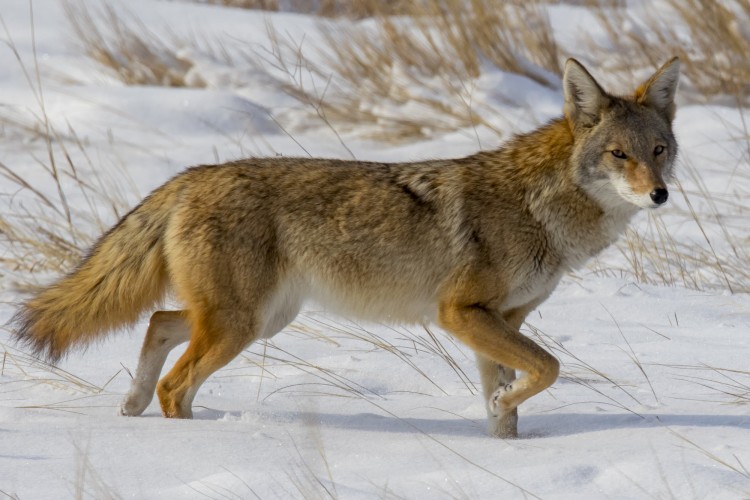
point(712, 38)
point(117, 40)
point(40, 230)
point(31, 372)
point(353, 9)
point(88, 483)
point(580, 372)
point(388, 79)
point(409, 347)
point(397, 81)
point(311, 474)
point(723, 385)
point(123, 45)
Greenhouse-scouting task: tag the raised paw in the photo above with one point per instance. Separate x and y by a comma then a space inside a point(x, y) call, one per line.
point(502, 421)
point(496, 404)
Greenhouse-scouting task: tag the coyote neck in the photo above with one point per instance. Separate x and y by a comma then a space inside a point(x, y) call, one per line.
point(580, 226)
point(541, 165)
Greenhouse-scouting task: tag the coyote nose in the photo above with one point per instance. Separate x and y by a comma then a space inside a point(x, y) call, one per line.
point(659, 195)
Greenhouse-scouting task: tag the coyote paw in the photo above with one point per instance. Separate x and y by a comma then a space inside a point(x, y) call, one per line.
point(504, 426)
point(496, 404)
point(134, 404)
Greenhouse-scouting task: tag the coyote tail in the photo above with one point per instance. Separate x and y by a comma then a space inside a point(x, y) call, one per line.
point(123, 274)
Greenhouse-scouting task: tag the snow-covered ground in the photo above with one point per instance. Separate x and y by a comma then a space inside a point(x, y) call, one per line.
point(653, 399)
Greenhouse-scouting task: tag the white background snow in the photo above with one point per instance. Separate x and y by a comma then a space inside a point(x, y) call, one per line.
point(649, 405)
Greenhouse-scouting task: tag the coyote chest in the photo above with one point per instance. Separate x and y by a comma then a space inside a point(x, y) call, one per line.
point(535, 291)
point(557, 249)
point(536, 278)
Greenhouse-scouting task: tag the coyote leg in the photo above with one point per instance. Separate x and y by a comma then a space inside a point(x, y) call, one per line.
point(213, 344)
point(494, 377)
point(497, 342)
point(166, 330)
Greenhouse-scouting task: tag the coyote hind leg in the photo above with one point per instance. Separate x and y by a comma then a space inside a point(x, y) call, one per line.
point(215, 340)
point(166, 330)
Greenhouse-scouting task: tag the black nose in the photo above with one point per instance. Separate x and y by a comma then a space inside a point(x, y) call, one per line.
point(659, 195)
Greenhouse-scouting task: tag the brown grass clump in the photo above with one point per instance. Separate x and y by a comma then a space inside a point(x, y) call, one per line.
point(412, 80)
point(270, 5)
point(42, 232)
point(130, 51)
point(712, 39)
point(722, 35)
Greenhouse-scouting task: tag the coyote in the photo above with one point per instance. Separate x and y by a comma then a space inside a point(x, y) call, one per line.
point(472, 244)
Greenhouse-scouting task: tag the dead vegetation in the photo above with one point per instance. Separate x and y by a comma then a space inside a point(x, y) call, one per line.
point(399, 81)
point(40, 229)
point(353, 9)
point(391, 80)
point(126, 48)
point(712, 39)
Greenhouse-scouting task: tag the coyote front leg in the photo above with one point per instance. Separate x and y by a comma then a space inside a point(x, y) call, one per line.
point(495, 378)
point(499, 345)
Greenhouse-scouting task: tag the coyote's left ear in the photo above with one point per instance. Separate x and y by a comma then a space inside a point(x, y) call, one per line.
point(659, 90)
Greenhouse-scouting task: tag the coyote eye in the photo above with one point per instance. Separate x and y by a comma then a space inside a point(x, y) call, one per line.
point(618, 154)
point(658, 150)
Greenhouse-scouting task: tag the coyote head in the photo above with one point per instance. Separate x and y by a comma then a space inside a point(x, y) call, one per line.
point(624, 148)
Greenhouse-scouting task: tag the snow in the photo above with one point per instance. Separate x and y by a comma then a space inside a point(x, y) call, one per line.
point(653, 396)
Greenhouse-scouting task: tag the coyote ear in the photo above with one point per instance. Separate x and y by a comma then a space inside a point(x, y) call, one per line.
point(584, 98)
point(659, 90)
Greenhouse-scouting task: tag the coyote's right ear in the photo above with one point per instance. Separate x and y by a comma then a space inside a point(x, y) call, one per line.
point(584, 98)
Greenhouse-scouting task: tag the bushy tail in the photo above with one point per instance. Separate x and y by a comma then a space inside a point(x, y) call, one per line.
point(124, 274)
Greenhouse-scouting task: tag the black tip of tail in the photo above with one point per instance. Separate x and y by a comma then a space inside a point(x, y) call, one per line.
point(23, 326)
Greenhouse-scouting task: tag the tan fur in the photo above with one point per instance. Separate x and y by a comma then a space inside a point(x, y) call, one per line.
point(642, 178)
point(117, 285)
point(473, 244)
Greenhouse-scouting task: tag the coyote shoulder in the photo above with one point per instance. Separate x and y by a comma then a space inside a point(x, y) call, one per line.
point(472, 244)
